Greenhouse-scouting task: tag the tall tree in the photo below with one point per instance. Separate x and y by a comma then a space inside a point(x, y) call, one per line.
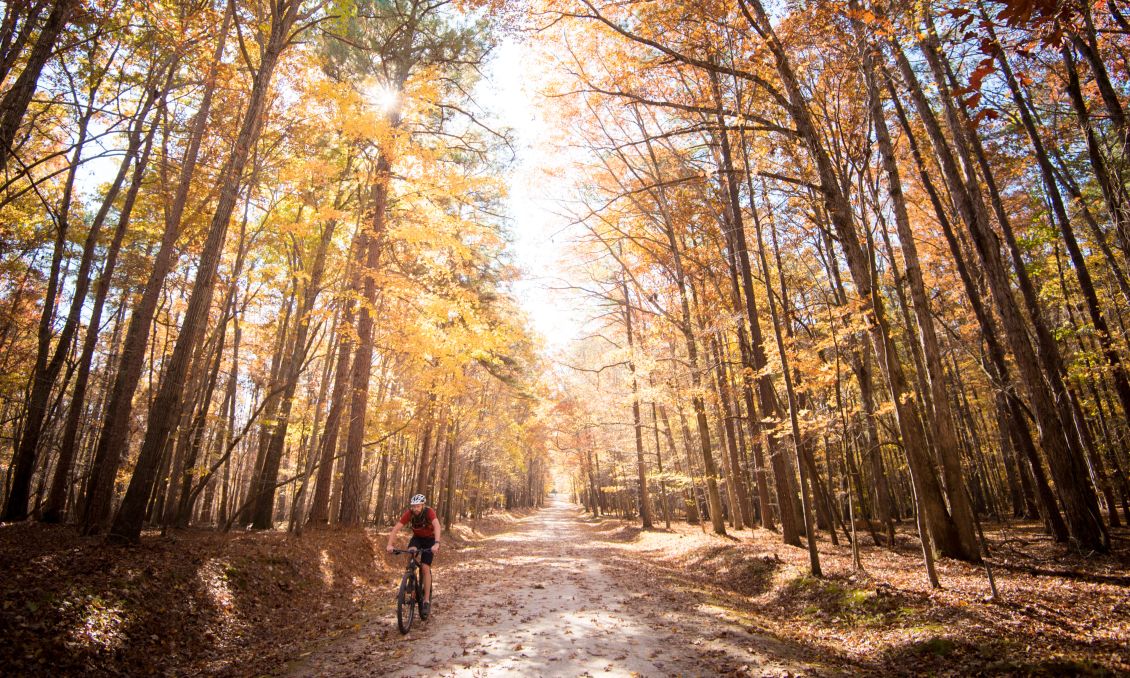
point(15, 101)
point(113, 437)
point(284, 18)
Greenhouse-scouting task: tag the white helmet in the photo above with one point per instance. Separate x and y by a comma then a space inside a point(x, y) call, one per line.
point(418, 499)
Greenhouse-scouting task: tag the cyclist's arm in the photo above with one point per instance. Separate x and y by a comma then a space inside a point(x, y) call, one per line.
point(438, 530)
point(392, 534)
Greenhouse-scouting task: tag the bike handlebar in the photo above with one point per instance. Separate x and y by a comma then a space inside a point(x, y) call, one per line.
point(403, 551)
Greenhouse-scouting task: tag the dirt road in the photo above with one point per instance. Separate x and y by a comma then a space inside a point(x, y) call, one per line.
point(542, 600)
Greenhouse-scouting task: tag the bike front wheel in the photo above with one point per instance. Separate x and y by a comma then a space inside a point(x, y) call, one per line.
point(406, 603)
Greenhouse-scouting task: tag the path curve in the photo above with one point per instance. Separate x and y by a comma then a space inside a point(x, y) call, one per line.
point(538, 601)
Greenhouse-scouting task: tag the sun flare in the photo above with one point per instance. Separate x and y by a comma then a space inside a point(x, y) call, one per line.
point(383, 97)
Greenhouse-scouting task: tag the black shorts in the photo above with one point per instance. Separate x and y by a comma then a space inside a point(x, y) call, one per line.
point(423, 543)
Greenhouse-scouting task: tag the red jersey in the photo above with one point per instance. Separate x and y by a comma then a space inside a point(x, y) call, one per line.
point(421, 524)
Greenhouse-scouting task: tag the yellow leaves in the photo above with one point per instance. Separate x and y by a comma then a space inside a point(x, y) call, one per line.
point(356, 111)
point(363, 124)
point(423, 85)
point(310, 170)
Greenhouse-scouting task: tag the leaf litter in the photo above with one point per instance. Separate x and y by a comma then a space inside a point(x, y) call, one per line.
point(553, 593)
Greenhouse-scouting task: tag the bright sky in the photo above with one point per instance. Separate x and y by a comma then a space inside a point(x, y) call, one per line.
point(510, 92)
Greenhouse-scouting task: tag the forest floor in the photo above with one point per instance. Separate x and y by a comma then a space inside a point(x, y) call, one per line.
point(197, 602)
point(565, 594)
point(555, 592)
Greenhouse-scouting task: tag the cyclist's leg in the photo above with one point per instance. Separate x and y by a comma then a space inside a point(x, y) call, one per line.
point(427, 579)
point(426, 564)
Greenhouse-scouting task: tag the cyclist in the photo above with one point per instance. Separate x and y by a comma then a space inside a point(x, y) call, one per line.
point(425, 537)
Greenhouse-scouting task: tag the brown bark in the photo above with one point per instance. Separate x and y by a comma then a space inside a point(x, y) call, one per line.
point(113, 439)
point(927, 489)
point(767, 397)
point(997, 362)
point(430, 419)
point(294, 365)
point(659, 468)
point(48, 363)
point(1086, 41)
point(1114, 195)
point(742, 509)
point(449, 481)
point(641, 466)
point(127, 522)
point(299, 511)
point(884, 505)
point(739, 260)
point(351, 512)
point(686, 327)
point(180, 501)
point(1049, 399)
point(14, 104)
point(56, 501)
point(20, 22)
point(320, 502)
point(942, 422)
point(710, 470)
point(1078, 261)
point(690, 506)
point(806, 504)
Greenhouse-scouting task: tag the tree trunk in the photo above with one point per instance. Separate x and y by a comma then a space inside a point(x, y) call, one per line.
point(127, 522)
point(988, 329)
point(14, 104)
point(806, 503)
point(56, 501)
point(942, 421)
point(690, 506)
point(352, 513)
point(767, 400)
point(641, 467)
point(48, 364)
point(20, 21)
point(114, 437)
point(686, 327)
point(1049, 400)
point(268, 477)
point(738, 503)
point(928, 490)
point(320, 502)
point(449, 484)
point(659, 468)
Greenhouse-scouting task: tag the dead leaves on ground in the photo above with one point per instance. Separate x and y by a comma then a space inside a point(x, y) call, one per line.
point(202, 602)
point(198, 602)
point(1061, 613)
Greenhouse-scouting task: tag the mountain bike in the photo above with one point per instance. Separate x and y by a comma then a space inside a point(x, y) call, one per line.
point(411, 593)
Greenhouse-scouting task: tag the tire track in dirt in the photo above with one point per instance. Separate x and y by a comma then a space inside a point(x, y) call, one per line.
point(537, 601)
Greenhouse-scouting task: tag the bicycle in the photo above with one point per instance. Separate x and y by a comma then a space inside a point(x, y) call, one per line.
point(411, 592)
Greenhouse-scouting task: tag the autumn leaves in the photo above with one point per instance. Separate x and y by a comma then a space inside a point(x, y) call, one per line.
point(842, 174)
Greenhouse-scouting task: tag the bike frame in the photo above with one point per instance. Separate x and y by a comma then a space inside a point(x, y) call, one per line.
point(406, 609)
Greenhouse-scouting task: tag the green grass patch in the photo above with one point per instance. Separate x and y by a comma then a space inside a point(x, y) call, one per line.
point(939, 647)
point(843, 603)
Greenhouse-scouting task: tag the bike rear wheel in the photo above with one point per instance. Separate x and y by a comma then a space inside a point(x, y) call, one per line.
point(406, 602)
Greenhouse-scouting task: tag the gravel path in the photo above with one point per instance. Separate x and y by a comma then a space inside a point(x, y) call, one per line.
point(538, 601)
